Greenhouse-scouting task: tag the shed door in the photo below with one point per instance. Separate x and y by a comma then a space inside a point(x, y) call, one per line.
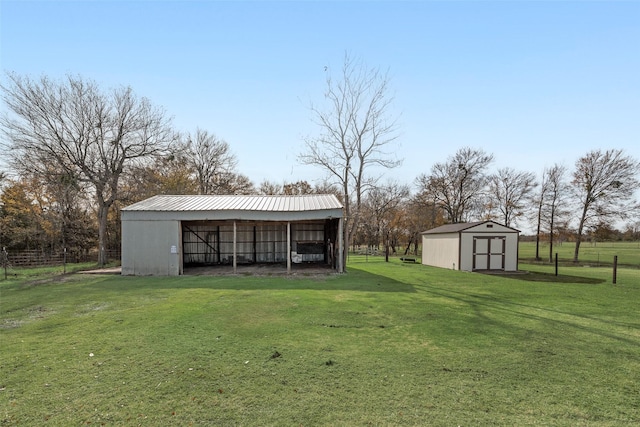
point(489, 253)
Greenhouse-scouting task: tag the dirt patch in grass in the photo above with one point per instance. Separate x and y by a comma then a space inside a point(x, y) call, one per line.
point(51, 280)
point(107, 270)
point(11, 324)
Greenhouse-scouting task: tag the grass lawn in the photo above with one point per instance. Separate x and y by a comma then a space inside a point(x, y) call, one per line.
point(384, 344)
point(593, 254)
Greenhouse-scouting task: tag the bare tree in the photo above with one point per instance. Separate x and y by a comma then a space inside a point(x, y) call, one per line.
point(382, 204)
point(509, 192)
point(357, 128)
point(327, 187)
point(211, 160)
point(87, 133)
point(168, 174)
point(555, 200)
point(269, 188)
point(234, 183)
point(458, 183)
point(550, 204)
point(419, 214)
point(603, 184)
point(295, 188)
point(540, 199)
point(298, 188)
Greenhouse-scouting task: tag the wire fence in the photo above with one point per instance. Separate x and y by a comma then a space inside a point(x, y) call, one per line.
point(38, 258)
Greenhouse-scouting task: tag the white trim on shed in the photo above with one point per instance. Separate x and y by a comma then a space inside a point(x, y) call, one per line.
point(475, 246)
point(158, 232)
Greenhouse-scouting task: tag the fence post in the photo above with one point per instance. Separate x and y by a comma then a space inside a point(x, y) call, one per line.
point(615, 268)
point(5, 261)
point(556, 263)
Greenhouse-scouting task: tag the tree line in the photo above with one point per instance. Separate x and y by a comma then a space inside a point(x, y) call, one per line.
point(77, 153)
point(559, 204)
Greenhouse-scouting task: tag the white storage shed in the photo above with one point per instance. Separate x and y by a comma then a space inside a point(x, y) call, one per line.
point(164, 234)
point(474, 246)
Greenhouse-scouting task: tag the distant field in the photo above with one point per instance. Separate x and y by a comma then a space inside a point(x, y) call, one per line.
point(384, 344)
point(600, 253)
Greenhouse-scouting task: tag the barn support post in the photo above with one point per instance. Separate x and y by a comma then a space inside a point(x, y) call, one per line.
point(235, 242)
point(218, 244)
point(288, 246)
point(341, 246)
point(180, 249)
point(255, 250)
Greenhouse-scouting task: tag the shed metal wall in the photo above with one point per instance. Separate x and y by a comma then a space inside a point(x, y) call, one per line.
point(151, 248)
point(510, 251)
point(441, 250)
point(489, 229)
point(466, 251)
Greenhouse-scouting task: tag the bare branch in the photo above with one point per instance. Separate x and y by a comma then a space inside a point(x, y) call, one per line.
point(356, 133)
point(85, 132)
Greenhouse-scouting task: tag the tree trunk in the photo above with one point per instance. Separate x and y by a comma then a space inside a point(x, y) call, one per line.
point(583, 219)
point(408, 248)
point(103, 212)
point(551, 235)
point(538, 232)
point(346, 226)
point(577, 250)
point(386, 248)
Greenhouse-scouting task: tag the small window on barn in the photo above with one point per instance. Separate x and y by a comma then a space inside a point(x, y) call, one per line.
point(489, 225)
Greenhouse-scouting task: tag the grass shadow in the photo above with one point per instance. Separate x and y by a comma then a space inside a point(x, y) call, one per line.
point(485, 308)
point(356, 280)
point(534, 276)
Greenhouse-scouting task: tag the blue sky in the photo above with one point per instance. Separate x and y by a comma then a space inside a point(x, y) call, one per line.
point(534, 83)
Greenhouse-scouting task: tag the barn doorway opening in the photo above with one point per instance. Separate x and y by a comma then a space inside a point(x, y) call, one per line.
point(289, 244)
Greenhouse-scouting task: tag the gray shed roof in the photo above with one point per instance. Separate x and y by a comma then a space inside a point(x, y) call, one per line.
point(184, 203)
point(456, 228)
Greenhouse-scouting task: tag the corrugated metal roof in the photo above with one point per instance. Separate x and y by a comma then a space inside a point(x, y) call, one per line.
point(310, 202)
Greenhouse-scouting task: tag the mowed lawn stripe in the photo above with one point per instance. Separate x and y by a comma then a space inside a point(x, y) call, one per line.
point(384, 344)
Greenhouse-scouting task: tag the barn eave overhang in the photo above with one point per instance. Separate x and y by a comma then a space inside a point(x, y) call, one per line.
point(230, 215)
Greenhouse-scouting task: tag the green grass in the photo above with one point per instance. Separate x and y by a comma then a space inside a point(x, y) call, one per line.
point(384, 344)
point(47, 273)
point(593, 254)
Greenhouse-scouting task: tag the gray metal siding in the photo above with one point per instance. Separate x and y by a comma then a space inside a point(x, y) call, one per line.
point(147, 248)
